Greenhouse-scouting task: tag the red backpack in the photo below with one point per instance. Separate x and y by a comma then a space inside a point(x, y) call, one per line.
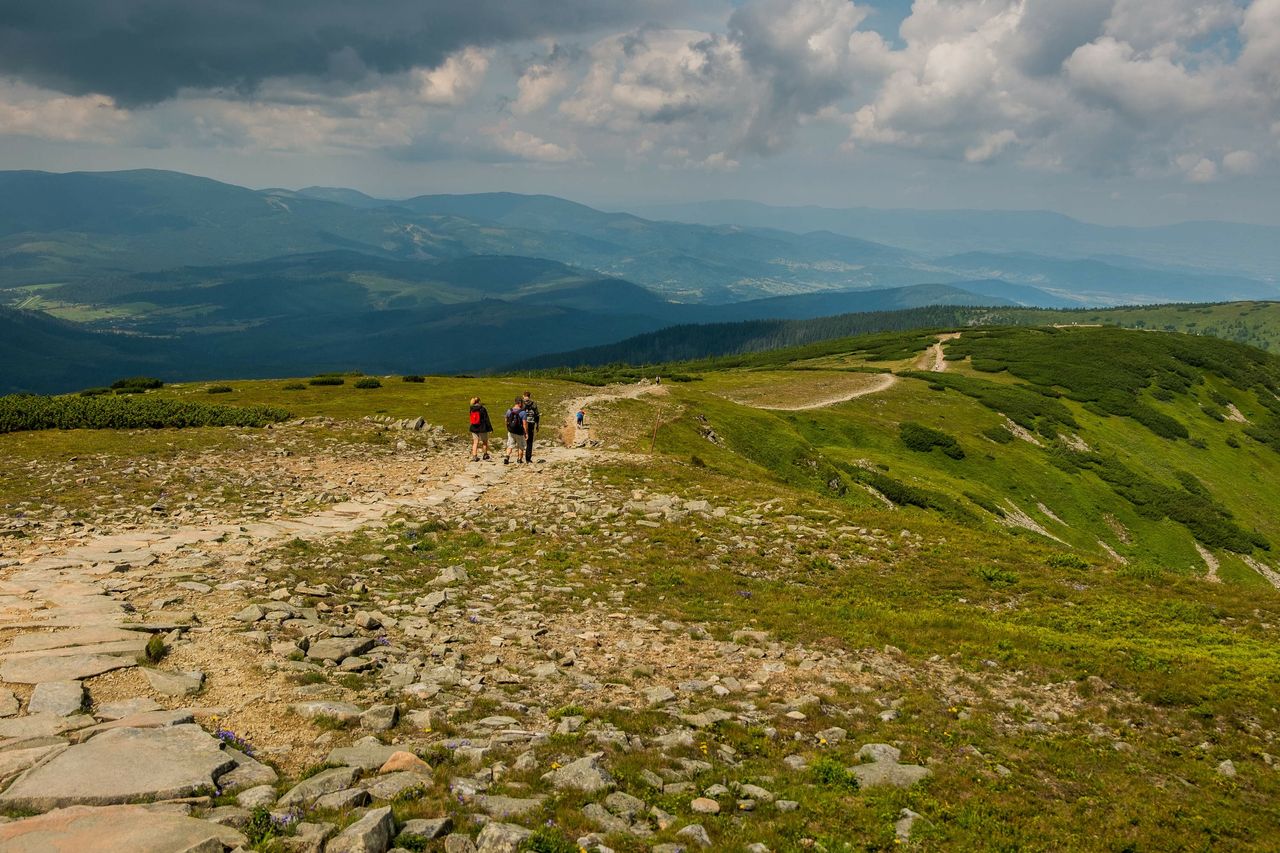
point(475, 417)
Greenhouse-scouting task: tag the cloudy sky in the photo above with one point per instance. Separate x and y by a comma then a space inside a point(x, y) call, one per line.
point(1134, 111)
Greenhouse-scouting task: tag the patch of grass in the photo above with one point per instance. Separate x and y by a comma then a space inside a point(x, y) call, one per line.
point(830, 773)
point(413, 377)
point(155, 650)
point(20, 413)
point(546, 839)
point(328, 723)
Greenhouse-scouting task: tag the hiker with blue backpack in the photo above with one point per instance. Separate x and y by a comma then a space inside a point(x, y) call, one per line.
point(481, 426)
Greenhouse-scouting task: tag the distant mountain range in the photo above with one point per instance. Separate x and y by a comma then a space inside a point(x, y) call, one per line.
point(199, 279)
point(1252, 251)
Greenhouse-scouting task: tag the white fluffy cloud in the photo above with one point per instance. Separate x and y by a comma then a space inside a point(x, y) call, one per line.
point(1140, 87)
point(1182, 89)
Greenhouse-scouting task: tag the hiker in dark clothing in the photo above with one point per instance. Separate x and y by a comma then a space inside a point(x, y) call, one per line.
point(533, 419)
point(481, 426)
point(516, 432)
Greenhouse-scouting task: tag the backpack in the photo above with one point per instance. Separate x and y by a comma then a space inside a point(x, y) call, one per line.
point(514, 422)
point(475, 417)
point(532, 413)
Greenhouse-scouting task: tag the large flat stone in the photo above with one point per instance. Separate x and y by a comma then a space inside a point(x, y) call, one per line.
point(142, 720)
point(117, 828)
point(60, 698)
point(89, 635)
point(69, 668)
point(121, 766)
point(14, 761)
point(41, 725)
point(130, 643)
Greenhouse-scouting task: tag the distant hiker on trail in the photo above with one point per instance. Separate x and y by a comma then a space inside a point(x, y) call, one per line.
point(481, 426)
point(533, 419)
point(581, 416)
point(517, 435)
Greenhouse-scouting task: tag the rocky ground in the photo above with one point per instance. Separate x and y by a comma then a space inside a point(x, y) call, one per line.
point(391, 647)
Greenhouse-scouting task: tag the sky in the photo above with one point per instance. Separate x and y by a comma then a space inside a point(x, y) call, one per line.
point(1114, 111)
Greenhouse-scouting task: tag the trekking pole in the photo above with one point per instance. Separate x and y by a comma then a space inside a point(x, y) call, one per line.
point(656, 420)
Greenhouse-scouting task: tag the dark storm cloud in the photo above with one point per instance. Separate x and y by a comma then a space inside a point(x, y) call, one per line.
point(144, 51)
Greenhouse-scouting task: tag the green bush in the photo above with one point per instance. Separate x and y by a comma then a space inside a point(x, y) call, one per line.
point(219, 389)
point(326, 380)
point(413, 377)
point(294, 386)
point(21, 413)
point(1066, 561)
point(141, 382)
point(155, 649)
point(95, 392)
point(923, 439)
point(830, 773)
point(547, 839)
point(131, 390)
point(997, 576)
point(368, 382)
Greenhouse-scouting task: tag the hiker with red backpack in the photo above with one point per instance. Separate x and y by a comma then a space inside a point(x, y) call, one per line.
point(480, 429)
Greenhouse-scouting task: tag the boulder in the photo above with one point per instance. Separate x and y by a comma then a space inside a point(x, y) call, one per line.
point(401, 760)
point(174, 683)
point(325, 782)
point(337, 648)
point(585, 774)
point(501, 838)
point(430, 829)
point(370, 834)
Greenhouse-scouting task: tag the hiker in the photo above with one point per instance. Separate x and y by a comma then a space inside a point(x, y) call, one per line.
point(581, 416)
point(481, 426)
point(516, 432)
point(533, 419)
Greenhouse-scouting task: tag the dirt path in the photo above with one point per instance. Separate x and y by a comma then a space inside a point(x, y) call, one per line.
point(571, 435)
point(1210, 562)
point(934, 359)
point(882, 382)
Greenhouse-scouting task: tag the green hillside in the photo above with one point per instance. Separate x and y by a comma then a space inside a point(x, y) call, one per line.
point(1041, 562)
point(1253, 323)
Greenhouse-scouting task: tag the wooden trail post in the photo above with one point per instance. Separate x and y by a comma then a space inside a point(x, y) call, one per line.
point(657, 419)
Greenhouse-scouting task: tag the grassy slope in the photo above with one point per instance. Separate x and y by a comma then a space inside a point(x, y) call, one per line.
point(1184, 661)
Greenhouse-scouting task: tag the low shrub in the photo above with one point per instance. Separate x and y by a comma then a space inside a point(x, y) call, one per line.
point(294, 386)
point(95, 392)
point(413, 377)
point(219, 389)
point(831, 773)
point(923, 439)
point(997, 576)
point(368, 382)
point(1000, 434)
point(547, 839)
point(143, 383)
point(20, 413)
point(326, 380)
point(1066, 561)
